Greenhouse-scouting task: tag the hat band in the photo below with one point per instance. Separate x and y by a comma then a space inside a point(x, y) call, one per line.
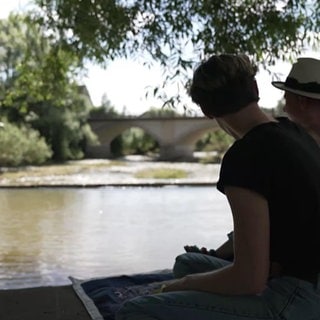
point(312, 87)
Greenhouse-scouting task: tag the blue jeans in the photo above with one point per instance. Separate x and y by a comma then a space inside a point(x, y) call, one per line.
point(191, 262)
point(285, 298)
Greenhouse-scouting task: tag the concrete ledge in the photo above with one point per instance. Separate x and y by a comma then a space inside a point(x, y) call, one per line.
point(42, 303)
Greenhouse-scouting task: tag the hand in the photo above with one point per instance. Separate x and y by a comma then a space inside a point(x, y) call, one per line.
point(163, 285)
point(174, 285)
point(203, 250)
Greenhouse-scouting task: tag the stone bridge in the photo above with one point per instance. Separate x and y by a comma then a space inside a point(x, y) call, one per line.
point(176, 136)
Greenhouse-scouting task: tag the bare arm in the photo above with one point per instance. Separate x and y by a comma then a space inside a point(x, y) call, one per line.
point(248, 273)
point(225, 251)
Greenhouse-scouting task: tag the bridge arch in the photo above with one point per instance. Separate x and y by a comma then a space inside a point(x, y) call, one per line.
point(176, 136)
point(111, 133)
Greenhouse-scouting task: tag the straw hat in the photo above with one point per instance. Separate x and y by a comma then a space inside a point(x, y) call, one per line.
point(303, 79)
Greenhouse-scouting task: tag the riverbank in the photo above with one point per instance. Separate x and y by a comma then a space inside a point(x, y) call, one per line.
point(101, 172)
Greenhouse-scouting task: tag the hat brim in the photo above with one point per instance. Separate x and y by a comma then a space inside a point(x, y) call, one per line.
point(281, 85)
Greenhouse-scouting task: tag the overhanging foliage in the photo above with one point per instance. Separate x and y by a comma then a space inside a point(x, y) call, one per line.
point(177, 32)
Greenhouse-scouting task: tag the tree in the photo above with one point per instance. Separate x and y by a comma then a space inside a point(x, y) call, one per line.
point(161, 113)
point(104, 29)
point(279, 109)
point(38, 86)
point(106, 109)
point(180, 33)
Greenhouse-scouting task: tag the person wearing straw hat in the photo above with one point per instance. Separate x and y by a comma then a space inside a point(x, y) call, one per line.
point(271, 179)
point(302, 95)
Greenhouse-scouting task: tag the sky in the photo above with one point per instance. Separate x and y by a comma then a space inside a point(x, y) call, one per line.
point(125, 81)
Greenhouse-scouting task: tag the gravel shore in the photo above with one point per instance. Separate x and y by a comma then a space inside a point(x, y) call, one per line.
point(95, 173)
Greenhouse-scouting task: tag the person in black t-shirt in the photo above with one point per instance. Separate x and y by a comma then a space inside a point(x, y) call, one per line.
point(302, 104)
point(271, 178)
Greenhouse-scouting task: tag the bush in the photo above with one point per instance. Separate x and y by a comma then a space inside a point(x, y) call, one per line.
point(134, 141)
point(21, 145)
point(217, 141)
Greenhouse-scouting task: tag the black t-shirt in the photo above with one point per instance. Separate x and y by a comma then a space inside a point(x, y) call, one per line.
point(280, 161)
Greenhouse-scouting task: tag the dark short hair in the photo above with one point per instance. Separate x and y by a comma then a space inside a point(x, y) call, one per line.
point(224, 84)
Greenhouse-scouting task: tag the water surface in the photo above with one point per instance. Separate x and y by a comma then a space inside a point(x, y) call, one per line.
point(48, 234)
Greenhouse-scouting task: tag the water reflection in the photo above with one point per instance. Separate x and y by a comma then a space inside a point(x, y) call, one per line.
point(48, 234)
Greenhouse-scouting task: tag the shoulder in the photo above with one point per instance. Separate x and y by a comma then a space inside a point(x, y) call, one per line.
point(294, 128)
point(251, 145)
point(294, 131)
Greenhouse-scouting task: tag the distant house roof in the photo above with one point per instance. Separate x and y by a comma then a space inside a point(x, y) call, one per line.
point(82, 89)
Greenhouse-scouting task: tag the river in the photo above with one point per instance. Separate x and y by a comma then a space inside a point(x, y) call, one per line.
point(48, 234)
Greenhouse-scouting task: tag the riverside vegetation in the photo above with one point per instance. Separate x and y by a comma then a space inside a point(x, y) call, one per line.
point(44, 111)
